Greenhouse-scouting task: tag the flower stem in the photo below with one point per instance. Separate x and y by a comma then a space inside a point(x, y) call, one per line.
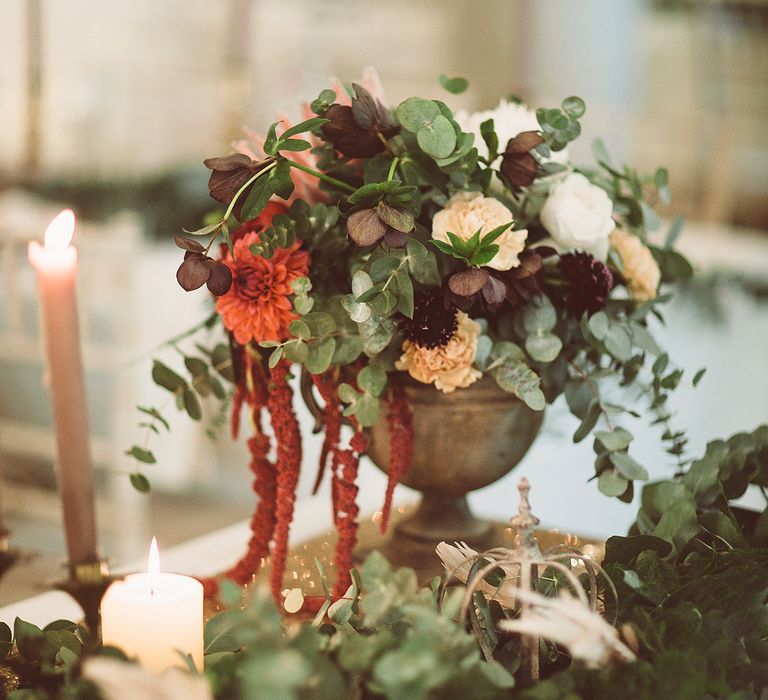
point(392, 169)
point(322, 176)
point(248, 182)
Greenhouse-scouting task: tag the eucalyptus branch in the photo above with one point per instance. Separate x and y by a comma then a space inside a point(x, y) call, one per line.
point(647, 390)
point(590, 385)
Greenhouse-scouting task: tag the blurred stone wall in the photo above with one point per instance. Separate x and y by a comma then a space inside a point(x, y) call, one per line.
point(136, 88)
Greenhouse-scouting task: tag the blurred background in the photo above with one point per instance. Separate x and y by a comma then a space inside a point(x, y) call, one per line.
point(110, 107)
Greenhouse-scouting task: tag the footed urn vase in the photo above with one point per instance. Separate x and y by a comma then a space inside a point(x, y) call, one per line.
point(463, 441)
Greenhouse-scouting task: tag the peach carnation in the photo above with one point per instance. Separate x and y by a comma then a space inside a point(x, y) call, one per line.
point(257, 306)
point(449, 366)
point(640, 269)
point(469, 211)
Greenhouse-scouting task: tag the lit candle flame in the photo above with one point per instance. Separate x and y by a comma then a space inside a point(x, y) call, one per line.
point(153, 568)
point(59, 233)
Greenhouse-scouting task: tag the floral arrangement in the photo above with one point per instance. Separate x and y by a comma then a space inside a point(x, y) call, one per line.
point(372, 243)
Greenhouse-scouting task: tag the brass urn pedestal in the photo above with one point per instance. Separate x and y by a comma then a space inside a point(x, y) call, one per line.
point(463, 441)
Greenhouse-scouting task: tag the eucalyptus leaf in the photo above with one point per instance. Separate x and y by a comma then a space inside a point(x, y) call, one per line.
point(628, 467)
point(361, 282)
point(192, 404)
point(416, 113)
point(220, 632)
point(165, 377)
point(372, 378)
point(320, 355)
point(376, 335)
point(539, 315)
point(611, 483)
point(453, 85)
point(599, 325)
point(614, 440)
point(543, 347)
point(678, 523)
point(358, 312)
point(422, 263)
point(589, 420)
point(300, 329)
point(140, 482)
point(296, 352)
point(404, 293)
point(141, 454)
point(618, 343)
point(438, 139)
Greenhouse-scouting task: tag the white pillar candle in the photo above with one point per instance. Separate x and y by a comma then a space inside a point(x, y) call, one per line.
point(56, 266)
point(155, 617)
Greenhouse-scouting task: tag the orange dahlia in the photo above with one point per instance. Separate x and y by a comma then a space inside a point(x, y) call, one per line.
point(257, 306)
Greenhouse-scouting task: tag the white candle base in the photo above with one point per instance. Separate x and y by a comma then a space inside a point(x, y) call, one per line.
point(154, 626)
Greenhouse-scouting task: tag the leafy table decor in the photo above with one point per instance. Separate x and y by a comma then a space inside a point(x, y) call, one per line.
point(691, 590)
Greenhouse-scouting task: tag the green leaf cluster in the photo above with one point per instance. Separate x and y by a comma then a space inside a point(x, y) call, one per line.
point(313, 344)
point(385, 285)
point(47, 660)
point(561, 125)
point(477, 250)
point(391, 192)
point(207, 373)
point(437, 133)
point(396, 644)
point(363, 402)
point(698, 504)
point(273, 144)
point(508, 367)
point(302, 222)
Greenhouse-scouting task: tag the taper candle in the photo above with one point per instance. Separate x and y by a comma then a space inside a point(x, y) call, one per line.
point(56, 266)
point(157, 618)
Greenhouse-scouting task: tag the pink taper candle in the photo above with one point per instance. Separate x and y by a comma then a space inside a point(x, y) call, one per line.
point(56, 265)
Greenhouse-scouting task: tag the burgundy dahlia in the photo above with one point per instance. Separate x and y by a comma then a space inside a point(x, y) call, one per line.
point(590, 282)
point(434, 320)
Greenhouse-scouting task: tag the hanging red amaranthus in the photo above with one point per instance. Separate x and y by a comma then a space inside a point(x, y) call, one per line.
point(327, 387)
point(347, 509)
point(400, 423)
point(344, 467)
point(275, 484)
point(288, 440)
point(252, 390)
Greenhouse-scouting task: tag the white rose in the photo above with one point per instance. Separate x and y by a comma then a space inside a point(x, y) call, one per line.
point(578, 216)
point(509, 120)
point(469, 211)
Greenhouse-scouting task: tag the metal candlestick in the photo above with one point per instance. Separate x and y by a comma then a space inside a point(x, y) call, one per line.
point(87, 583)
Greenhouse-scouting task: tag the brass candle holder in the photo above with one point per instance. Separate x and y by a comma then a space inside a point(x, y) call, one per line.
point(87, 583)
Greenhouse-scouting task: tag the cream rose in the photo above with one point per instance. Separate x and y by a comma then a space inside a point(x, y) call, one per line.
point(509, 120)
point(639, 266)
point(449, 366)
point(469, 211)
point(578, 215)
